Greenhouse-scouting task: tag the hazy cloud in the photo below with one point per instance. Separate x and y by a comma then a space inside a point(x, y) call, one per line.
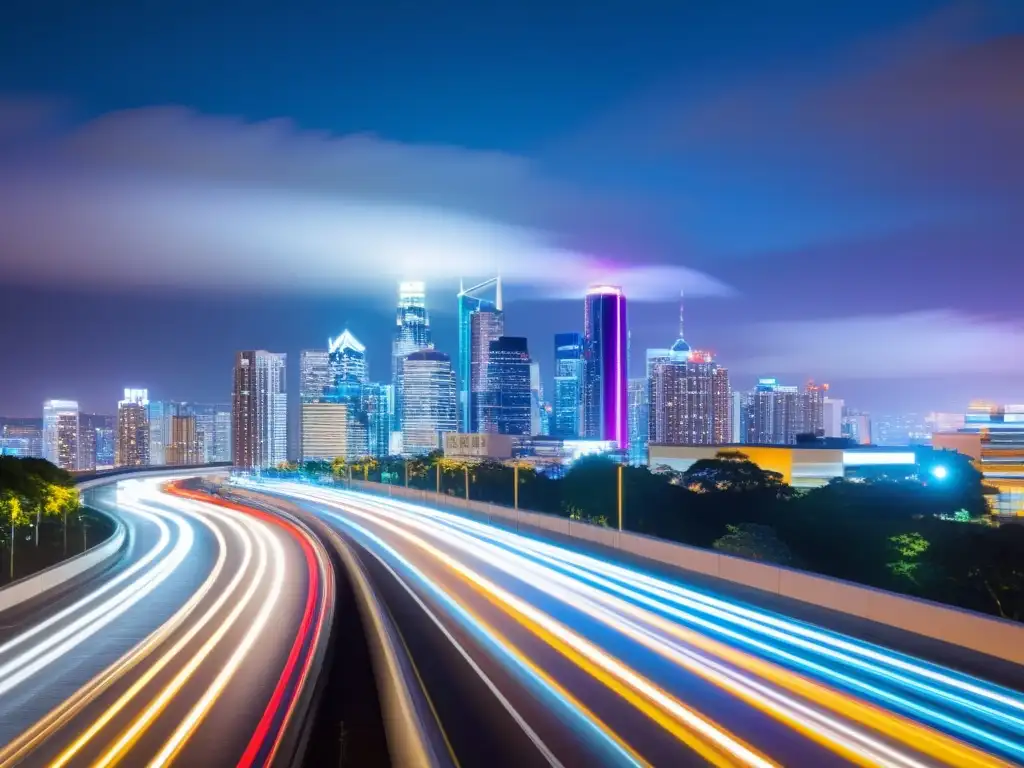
point(920, 344)
point(168, 197)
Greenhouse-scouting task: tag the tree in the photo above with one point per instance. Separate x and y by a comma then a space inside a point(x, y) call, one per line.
point(754, 542)
point(732, 471)
point(13, 515)
point(908, 549)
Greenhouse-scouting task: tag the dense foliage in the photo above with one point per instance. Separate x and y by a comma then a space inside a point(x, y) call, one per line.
point(32, 490)
point(930, 538)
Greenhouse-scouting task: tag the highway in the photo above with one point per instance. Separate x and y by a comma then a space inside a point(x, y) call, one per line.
point(196, 648)
point(537, 653)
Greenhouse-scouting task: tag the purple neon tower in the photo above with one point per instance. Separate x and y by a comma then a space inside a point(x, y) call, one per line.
point(605, 365)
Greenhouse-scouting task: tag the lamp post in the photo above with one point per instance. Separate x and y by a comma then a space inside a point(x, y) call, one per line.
point(515, 485)
point(438, 465)
point(620, 497)
point(465, 470)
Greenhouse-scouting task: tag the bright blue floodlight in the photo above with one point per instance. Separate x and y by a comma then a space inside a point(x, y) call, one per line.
point(939, 472)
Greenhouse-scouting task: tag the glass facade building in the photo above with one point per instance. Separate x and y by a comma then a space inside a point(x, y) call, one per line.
point(131, 448)
point(259, 410)
point(60, 433)
point(430, 401)
point(412, 334)
point(605, 366)
point(568, 403)
point(481, 321)
point(510, 392)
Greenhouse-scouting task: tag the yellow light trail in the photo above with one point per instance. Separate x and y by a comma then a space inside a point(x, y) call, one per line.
point(89, 733)
point(147, 716)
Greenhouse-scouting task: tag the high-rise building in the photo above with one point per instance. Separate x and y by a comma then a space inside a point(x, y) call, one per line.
point(95, 441)
point(430, 401)
point(412, 334)
point(739, 412)
point(721, 406)
point(184, 447)
point(773, 414)
point(131, 447)
point(314, 374)
point(568, 405)
point(158, 413)
point(259, 410)
point(213, 431)
point(346, 360)
point(857, 426)
point(510, 397)
point(639, 416)
point(481, 321)
point(812, 409)
point(536, 398)
point(832, 417)
point(22, 437)
point(332, 430)
point(547, 417)
point(682, 398)
point(60, 433)
point(378, 407)
point(605, 366)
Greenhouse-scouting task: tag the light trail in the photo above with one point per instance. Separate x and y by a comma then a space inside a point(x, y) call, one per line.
point(729, 644)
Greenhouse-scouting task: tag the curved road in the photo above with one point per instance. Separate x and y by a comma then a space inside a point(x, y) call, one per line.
point(536, 653)
point(194, 648)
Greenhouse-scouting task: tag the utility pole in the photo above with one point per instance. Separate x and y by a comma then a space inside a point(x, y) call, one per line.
point(620, 497)
point(515, 481)
point(438, 465)
point(465, 469)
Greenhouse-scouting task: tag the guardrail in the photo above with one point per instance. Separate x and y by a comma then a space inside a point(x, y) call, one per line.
point(101, 555)
point(967, 629)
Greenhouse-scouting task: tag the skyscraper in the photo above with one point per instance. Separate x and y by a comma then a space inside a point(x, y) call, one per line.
point(332, 430)
point(508, 377)
point(60, 433)
point(346, 360)
point(378, 407)
point(22, 437)
point(158, 413)
point(568, 405)
point(605, 365)
point(430, 401)
point(682, 398)
point(721, 406)
point(639, 415)
point(832, 417)
point(95, 434)
point(481, 321)
point(412, 334)
point(184, 446)
point(131, 447)
point(773, 414)
point(314, 374)
point(812, 414)
point(536, 398)
point(259, 410)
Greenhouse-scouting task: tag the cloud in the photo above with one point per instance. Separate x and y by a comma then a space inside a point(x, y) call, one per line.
point(915, 345)
point(168, 197)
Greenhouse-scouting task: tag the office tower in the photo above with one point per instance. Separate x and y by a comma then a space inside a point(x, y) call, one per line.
point(131, 446)
point(639, 416)
point(259, 410)
point(158, 413)
point(213, 431)
point(832, 417)
point(682, 393)
point(346, 360)
point(812, 412)
point(22, 437)
point(721, 406)
point(314, 374)
point(605, 365)
point(60, 433)
point(738, 416)
point(547, 417)
point(332, 430)
point(774, 414)
point(95, 441)
point(536, 398)
point(184, 446)
point(412, 334)
point(509, 409)
point(377, 407)
point(568, 405)
point(481, 321)
point(430, 401)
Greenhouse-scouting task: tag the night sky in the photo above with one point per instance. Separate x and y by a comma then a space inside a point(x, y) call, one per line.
point(838, 187)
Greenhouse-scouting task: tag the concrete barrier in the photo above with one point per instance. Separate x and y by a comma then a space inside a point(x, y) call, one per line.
point(977, 632)
point(36, 584)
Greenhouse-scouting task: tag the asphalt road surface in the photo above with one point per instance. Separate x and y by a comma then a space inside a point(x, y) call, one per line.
point(536, 652)
point(192, 649)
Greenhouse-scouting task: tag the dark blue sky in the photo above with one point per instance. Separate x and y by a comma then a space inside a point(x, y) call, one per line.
point(838, 186)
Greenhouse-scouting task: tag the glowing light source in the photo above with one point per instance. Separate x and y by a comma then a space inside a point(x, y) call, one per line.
point(939, 472)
